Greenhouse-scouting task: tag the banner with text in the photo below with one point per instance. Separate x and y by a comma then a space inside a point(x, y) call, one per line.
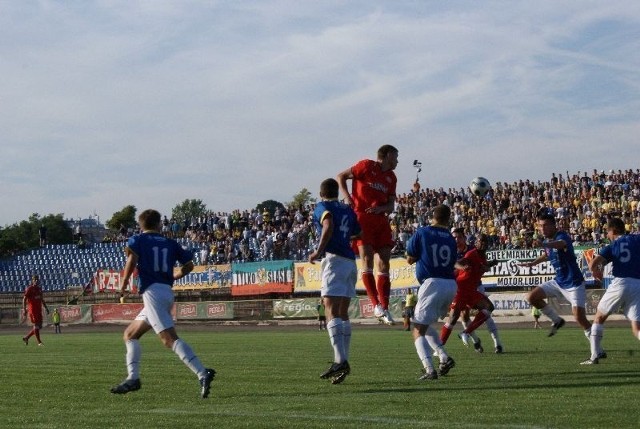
point(259, 278)
point(308, 277)
point(206, 277)
point(508, 273)
point(108, 281)
point(72, 314)
point(204, 310)
point(105, 313)
point(360, 307)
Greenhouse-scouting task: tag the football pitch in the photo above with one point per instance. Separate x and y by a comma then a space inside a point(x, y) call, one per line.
point(268, 377)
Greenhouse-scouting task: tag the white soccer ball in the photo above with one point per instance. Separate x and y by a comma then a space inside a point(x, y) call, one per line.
point(479, 186)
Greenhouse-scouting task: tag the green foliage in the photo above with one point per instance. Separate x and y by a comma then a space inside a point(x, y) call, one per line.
point(126, 217)
point(187, 210)
point(270, 206)
point(301, 199)
point(269, 377)
point(24, 235)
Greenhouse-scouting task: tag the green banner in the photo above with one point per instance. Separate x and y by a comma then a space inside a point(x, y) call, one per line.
point(307, 308)
point(204, 310)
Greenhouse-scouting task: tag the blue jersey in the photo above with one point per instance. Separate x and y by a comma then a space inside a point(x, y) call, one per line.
point(157, 256)
point(568, 273)
point(624, 255)
point(435, 251)
point(345, 226)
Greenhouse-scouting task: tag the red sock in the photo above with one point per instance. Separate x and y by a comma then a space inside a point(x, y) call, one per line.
point(444, 333)
point(383, 286)
point(480, 318)
point(370, 286)
point(30, 334)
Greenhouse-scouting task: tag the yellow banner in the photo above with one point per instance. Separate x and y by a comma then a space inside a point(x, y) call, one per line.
point(308, 277)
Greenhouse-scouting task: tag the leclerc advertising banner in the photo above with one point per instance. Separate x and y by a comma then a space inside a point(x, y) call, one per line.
point(259, 278)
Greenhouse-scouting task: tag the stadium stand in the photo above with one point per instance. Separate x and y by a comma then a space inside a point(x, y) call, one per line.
point(581, 202)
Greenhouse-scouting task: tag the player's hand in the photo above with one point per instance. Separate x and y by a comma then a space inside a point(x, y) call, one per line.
point(313, 257)
point(47, 310)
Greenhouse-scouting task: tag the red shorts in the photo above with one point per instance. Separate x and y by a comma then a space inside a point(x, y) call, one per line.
point(376, 231)
point(464, 299)
point(36, 319)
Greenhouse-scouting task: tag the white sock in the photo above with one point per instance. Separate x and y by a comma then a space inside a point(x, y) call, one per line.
point(424, 353)
point(346, 333)
point(133, 359)
point(595, 339)
point(434, 342)
point(336, 337)
point(493, 330)
point(548, 311)
point(189, 358)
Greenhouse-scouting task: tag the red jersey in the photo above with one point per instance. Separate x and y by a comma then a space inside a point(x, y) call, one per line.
point(372, 187)
point(469, 280)
point(33, 294)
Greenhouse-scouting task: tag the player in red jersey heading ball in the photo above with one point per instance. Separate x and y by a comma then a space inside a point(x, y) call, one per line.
point(373, 197)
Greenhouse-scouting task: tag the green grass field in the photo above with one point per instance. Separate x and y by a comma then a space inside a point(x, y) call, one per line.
point(268, 377)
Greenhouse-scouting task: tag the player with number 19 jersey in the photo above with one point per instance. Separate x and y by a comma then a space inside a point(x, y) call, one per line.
point(436, 250)
point(157, 256)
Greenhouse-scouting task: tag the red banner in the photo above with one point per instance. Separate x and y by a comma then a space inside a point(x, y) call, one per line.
point(366, 308)
point(261, 289)
point(115, 312)
point(108, 281)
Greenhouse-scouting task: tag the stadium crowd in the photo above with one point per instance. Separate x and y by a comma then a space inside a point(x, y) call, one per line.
point(582, 203)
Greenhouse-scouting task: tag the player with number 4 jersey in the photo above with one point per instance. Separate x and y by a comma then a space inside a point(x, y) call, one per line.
point(336, 225)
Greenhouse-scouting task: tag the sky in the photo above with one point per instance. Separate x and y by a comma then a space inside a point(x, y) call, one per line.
point(105, 104)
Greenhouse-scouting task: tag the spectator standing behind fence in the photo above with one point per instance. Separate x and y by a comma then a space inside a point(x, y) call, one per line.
point(55, 318)
point(373, 198)
point(337, 225)
point(155, 257)
point(624, 255)
point(32, 303)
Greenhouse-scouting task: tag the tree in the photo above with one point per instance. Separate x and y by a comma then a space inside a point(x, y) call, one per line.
point(24, 235)
point(187, 210)
point(301, 199)
point(270, 206)
point(126, 217)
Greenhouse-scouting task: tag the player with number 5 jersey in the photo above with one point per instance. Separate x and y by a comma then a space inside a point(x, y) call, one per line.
point(624, 291)
point(433, 249)
point(155, 257)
